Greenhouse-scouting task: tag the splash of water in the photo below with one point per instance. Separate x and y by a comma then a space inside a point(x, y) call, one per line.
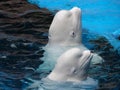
point(47, 84)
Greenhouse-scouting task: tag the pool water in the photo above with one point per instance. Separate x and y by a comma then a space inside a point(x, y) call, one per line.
point(20, 58)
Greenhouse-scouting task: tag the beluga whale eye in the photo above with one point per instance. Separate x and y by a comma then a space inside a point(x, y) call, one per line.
point(72, 34)
point(67, 13)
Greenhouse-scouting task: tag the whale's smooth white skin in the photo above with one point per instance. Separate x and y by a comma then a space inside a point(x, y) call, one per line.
point(66, 28)
point(72, 65)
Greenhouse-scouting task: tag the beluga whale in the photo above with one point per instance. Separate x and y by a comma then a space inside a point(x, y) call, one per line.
point(66, 59)
point(65, 29)
point(70, 73)
point(64, 33)
point(73, 65)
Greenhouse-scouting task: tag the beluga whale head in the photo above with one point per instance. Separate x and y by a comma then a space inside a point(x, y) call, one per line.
point(65, 28)
point(72, 66)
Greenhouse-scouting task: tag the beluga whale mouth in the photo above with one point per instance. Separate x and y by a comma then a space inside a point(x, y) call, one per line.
point(66, 28)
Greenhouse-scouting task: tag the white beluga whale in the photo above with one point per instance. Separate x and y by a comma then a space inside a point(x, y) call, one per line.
point(65, 29)
point(64, 33)
point(73, 65)
point(70, 73)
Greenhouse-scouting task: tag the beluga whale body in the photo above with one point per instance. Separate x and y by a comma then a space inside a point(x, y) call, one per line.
point(64, 33)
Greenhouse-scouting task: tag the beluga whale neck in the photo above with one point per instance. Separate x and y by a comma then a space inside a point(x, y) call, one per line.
point(65, 29)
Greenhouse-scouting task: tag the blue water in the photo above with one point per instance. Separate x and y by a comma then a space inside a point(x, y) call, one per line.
point(98, 16)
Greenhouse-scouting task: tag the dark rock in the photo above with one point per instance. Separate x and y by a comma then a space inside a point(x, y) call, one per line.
point(20, 19)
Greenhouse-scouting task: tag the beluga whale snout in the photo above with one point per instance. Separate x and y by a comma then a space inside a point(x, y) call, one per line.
point(72, 66)
point(76, 10)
